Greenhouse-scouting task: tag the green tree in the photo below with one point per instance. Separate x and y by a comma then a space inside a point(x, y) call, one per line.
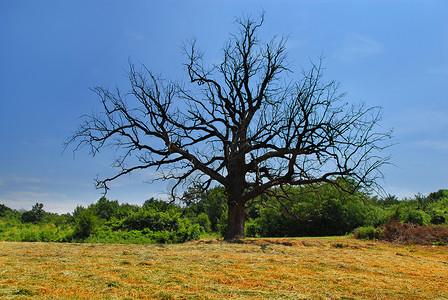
point(106, 209)
point(317, 210)
point(212, 202)
point(85, 223)
point(4, 210)
point(159, 205)
point(438, 207)
point(35, 215)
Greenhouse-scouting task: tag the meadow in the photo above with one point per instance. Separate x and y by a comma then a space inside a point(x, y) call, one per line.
point(293, 268)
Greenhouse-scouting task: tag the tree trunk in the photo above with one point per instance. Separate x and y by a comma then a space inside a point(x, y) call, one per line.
point(235, 190)
point(236, 220)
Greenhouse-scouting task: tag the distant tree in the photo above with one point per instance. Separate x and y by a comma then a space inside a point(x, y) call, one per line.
point(35, 215)
point(436, 196)
point(106, 209)
point(193, 195)
point(126, 209)
point(4, 210)
point(312, 211)
point(212, 202)
point(85, 223)
point(158, 205)
point(239, 123)
point(78, 211)
point(421, 200)
point(390, 200)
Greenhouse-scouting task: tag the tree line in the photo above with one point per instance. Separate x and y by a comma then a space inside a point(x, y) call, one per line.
point(318, 210)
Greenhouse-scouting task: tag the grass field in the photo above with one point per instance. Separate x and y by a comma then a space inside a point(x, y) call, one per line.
point(306, 268)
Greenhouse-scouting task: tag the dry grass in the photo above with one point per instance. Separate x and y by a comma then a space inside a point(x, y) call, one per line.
point(310, 268)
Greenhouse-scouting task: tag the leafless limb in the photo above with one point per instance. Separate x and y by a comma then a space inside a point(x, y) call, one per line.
point(239, 124)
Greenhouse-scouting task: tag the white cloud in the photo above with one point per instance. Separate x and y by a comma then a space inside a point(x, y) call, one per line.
point(357, 47)
point(23, 179)
point(19, 179)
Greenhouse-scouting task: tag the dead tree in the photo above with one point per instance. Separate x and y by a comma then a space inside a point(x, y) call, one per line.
point(238, 123)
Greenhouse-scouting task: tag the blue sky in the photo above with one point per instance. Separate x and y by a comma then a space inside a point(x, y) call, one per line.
point(387, 53)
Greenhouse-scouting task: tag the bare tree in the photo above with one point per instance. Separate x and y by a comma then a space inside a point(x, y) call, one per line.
point(239, 123)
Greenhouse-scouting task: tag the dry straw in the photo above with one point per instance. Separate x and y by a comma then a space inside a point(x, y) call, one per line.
point(309, 268)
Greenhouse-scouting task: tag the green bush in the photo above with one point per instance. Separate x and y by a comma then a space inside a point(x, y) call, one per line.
point(29, 236)
point(253, 228)
point(187, 231)
point(438, 217)
point(151, 219)
point(85, 224)
point(310, 211)
point(418, 217)
point(36, 233)
point(164, 226)
point(368, 233)
point(213, 203)
point(203, 220)
point(318, 211)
